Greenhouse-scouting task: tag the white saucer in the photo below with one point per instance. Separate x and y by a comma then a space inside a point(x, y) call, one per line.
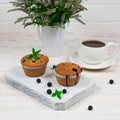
point(75, 58)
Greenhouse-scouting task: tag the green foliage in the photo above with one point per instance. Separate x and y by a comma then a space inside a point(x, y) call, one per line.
point(34, 54)
point(55, 13)
point(57, 93)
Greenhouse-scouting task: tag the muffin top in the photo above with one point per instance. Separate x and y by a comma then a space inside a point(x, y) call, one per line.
point(67, 68)
point(42, 60)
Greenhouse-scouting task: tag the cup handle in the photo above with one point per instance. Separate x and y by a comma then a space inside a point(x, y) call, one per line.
point(113, 50)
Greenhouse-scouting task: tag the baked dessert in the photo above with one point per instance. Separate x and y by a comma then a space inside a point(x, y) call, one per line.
point(34, 64)
point(68, 74)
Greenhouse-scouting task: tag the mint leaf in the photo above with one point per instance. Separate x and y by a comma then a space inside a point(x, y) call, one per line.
point(30, 56)
point(33, 51)
point(54, 94)
point(57, 94)
point(37, 52)
point(34, 54)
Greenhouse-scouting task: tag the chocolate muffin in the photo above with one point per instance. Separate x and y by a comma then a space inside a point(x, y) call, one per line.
point(35, 64)
point(68, 74)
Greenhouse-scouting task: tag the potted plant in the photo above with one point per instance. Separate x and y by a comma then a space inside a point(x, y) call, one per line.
point(52, 15)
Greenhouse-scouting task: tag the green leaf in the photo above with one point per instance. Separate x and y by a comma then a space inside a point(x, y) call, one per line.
point(53, 16)
point(47, 13)
point(30, 56)
point(37, 52)
point(59, 96)
point(35, 57)
point(54, 94)
point(34, 54)
point(33, 51)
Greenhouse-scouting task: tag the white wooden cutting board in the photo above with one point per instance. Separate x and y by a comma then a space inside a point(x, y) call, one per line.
point(16, 78)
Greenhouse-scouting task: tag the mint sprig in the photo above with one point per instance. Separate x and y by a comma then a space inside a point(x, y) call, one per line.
point(58, 94)
point(34, 54)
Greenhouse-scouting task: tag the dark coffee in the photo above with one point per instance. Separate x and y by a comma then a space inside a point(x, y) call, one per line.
point(92, 43)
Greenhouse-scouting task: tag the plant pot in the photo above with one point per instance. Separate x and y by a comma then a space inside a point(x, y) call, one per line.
point(52, 41)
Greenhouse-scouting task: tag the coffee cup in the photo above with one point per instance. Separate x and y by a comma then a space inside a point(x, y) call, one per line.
point(96, 51)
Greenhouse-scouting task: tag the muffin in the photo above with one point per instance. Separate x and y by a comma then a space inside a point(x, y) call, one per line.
point(68, 74)
point(34, 64)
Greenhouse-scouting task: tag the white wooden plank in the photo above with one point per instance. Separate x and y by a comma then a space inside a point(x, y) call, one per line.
point(101, 13)
point(4, 1)
point(92, 27)
point(102, 2)
point(9, 16)
point(11, 27)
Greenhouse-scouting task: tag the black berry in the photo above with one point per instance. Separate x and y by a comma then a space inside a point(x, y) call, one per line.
point(64, 91)
point(90, 107)
point(23, 60)
point(74, 69)
point(111, 81)
point(54, 66)
point(49, 91)
point(49, 84)
point(38, 80)
point(33, 61)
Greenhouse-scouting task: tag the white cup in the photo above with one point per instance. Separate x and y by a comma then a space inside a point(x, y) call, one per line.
point(96, 51)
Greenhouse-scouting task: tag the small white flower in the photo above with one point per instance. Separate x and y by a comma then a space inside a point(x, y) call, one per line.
point(56, 3)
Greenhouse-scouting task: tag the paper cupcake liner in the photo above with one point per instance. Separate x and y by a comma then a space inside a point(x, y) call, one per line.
point(70, 81)
point(34, 71)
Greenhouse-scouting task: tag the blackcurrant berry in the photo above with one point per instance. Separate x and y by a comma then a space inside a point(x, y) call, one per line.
point(49, 91)
point(49, 84)
point(90, 107)
point(111, 81)
point(38, 80)
point(74, 69)
point(64, 91)
point(54, 66)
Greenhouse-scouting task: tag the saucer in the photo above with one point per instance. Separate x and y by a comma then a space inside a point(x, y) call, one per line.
point(75, 58)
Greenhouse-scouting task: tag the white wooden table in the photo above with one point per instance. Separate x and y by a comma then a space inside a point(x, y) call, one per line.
point(102, 22)
point(15, 105)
